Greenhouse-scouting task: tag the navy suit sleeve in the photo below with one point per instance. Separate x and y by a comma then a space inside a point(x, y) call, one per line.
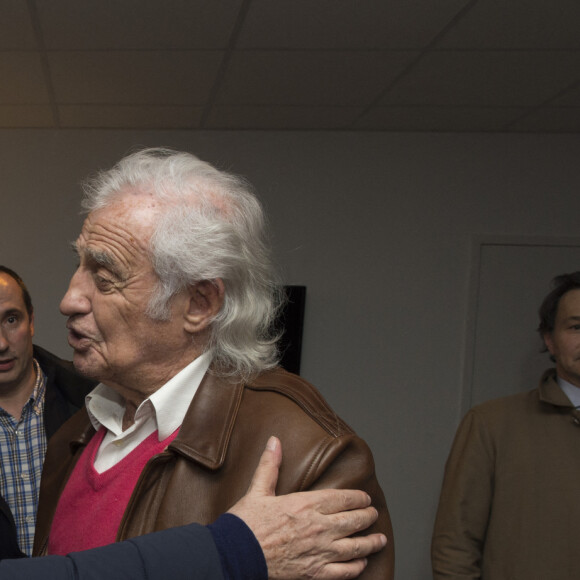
point(187, 552)
point(240, 553)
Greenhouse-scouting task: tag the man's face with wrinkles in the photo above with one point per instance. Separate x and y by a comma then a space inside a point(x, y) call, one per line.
point(113, 338)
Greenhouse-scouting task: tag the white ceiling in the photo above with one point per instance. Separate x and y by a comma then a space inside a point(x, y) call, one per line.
point(388, 65)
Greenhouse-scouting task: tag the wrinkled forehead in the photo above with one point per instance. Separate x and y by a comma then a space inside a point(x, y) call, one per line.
point(121, 230)
point(129, 208)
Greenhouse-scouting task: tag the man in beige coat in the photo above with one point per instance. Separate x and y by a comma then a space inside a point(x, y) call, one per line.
point(510, 502)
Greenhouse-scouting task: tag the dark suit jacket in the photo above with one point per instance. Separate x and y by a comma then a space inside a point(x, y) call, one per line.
point(179, 554)
point(8, 543)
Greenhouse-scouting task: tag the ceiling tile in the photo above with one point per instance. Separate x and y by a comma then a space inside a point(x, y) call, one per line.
point(138, 78)
point(281, 117)
point(550, 120)
point(488, 78)
point(431, 118)
point(333, 78)
point(339, 24)
point(26, 81)
point(517, 24)
point(39, 116)
point(129, 117)
point(569, 98)
point(137, 24)
point(16, 31)
point(291, 64)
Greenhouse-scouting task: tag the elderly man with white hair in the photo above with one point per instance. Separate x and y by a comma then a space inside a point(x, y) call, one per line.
point(171, 309)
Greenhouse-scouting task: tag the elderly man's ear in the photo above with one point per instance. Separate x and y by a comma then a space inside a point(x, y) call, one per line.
point(205, 301)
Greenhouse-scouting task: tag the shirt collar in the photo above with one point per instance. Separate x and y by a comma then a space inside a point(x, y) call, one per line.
point(168, 405)
point(37, 397)
point(571, 391)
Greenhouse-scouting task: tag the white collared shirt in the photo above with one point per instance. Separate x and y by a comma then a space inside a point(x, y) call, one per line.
point(163, 411)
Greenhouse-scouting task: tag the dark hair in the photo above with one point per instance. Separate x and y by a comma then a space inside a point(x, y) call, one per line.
point(23, 288)
point(549, 307)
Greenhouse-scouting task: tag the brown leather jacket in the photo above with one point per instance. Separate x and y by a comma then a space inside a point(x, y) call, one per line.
point(209, 465)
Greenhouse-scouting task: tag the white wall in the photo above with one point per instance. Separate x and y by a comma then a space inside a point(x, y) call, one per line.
point(378, 227)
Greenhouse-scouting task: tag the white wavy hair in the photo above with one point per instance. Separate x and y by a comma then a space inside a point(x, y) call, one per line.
point(211, 226)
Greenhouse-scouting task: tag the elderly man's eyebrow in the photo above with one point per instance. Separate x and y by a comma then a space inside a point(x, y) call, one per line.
point(100, 258)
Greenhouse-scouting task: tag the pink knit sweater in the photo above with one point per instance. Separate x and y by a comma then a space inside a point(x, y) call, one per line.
point(92, 504)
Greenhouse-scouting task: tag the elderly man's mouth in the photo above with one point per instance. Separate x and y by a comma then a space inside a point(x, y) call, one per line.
point(77, 340)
